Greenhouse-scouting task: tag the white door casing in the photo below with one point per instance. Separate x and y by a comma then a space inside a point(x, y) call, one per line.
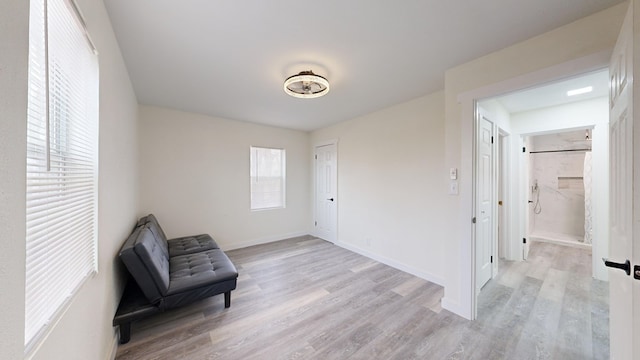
point(526, 190)
point(326, 199)
point(624, 291)
point(485, 198)
point(503, 199)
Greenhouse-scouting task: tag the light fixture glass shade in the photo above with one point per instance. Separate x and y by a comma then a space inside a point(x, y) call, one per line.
point(306, 85)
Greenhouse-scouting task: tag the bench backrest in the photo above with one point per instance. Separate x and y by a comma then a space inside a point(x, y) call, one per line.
point(146, 258)
point(152, 222)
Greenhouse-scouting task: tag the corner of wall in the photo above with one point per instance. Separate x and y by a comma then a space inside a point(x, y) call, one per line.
point(14, 37)
point(111, 355)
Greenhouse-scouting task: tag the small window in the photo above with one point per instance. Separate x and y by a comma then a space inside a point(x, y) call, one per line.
point(267, 178)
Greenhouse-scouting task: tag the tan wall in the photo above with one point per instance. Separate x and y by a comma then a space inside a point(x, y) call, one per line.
point(195, 177)
point(390, 184)
point(14, 52)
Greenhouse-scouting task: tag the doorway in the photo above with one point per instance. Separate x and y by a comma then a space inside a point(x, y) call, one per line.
point(326, 194)
point(560, 188)
point(543, 111)
point(543, 190)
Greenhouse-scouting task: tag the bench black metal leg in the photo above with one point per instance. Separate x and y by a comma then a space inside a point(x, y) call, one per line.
point(125, 332)
point(227, 299)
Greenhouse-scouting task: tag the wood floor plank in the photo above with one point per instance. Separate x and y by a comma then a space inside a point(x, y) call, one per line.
point(413, 283)
point(304, 298)
point(574, 335)
point(600, 319)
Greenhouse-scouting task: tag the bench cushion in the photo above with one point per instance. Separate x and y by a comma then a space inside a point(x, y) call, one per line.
point(191, 244)
point(178, 246)
point(188, 272)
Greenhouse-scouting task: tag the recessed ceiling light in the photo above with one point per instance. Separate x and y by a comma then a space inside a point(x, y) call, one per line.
point(306, 85)
point(583, 90)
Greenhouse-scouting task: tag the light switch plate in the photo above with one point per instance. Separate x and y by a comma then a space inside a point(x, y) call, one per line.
point(453, 187)
point(453, 174)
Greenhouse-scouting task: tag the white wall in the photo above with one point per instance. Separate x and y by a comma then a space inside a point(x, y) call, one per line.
point(576, 46)
point(195, 177)
point(501, 115)
point(574, 115)
point(84, 331)
point(390, 166)
point(14, 51)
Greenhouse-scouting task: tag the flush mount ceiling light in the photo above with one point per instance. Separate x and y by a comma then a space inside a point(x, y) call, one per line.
point(306, 85)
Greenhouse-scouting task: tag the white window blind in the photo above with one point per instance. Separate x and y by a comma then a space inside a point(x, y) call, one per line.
point(267, 178)
point(62, 162)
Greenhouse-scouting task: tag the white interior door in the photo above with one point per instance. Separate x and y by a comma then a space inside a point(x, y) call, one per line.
point(485, 199)
point(624, 245)
point(326, 192)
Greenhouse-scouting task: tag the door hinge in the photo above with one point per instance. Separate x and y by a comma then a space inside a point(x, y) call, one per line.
point(492, 139)
point(316, 157)
point(492, 259)
point(524, 149)
point(473, 221)
point(316, 223)
point(524, 240)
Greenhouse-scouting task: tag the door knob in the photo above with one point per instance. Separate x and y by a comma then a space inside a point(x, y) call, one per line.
point(626, 266)
point(330, 199)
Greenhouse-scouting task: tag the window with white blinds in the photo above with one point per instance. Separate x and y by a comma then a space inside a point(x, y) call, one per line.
point(62, 163)
point(267, 178)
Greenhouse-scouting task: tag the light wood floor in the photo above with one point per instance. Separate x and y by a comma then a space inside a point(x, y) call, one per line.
point(305, 298)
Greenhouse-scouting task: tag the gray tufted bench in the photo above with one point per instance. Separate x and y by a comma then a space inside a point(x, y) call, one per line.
point(166, 274)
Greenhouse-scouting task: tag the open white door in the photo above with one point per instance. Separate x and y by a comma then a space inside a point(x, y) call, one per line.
point(624, 145)
point(326, 194)
point(485, 199)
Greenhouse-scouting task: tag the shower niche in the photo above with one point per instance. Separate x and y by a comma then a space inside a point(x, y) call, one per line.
point(560, 188)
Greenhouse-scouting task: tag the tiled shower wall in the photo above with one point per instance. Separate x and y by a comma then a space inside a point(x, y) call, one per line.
point(559, 176)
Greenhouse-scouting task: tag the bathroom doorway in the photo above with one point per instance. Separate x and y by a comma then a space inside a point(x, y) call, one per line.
point(560, 188)
point(568, 118)
point(559, 231)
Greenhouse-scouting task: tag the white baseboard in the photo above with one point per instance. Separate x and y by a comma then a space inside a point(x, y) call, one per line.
point(114, 346)
point(393, 263)
point(260, 241)
point(455, 308)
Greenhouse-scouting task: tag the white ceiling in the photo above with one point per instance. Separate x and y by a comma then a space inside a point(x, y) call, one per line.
point(229, 58)
point(555, 93)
